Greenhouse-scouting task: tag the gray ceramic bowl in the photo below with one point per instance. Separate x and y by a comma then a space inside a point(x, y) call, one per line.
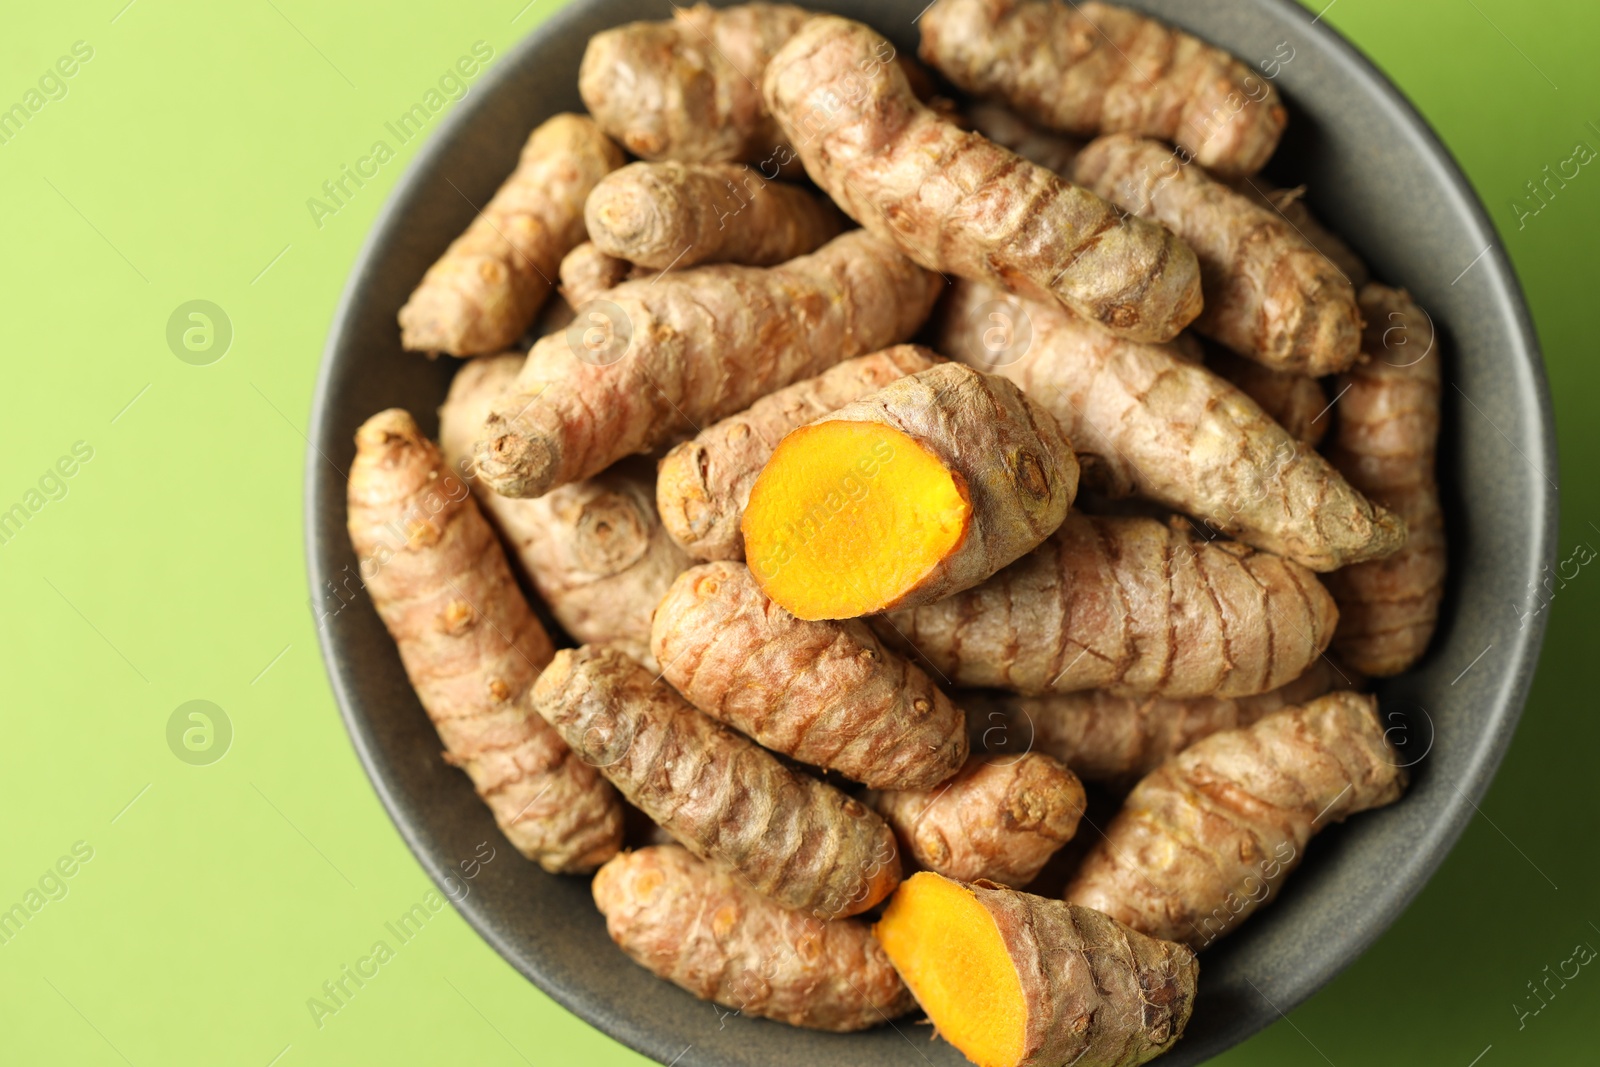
point(1376, 174)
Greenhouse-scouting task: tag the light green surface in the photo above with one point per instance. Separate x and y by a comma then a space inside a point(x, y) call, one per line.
point(219, 897)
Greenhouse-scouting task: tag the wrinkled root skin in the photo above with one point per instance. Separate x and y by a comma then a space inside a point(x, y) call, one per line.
point(471, 646)
point(692, 923)
point(1210, 836)
point(958, 203)
point(786, 835)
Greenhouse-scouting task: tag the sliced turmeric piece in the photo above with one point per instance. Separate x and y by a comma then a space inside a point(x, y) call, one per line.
point(787, 835)
point(594, 550)
point(1000, 819)
point(1387, 437)
point(677, 215)
point(696, 925)
point(485, 290)
point(1148, 420)
point(671, 354)
point(956, 202)
point(907, 495)
point(471, 646)
point(826, 693)
point(1130, 603)
point(1016, 980)
point(1270, 295)
point(1091, 68)
point(703, 484)
point(1210, 835)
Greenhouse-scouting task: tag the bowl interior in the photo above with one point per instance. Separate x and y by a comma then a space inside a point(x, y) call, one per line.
point(1375, 174)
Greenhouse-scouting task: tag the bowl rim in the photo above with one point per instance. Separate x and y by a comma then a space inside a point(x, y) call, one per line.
point(1441, 834)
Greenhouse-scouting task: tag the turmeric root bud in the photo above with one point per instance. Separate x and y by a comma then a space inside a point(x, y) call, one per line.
point(696, 925)
point(1015, 980)
point(905, 496)
point(1000, 819)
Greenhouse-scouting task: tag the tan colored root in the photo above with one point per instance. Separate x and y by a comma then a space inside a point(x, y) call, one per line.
point(692, 85)
point(1008, 129)
point(485, 290)
point(1269, 294)
point(1385, 444)
point(1116, 737)
point(1209, 836)
point(1130, 603)
point(826, 693)
point(703, 484)
point(586, 272)
point(675, 353)
point(696, 925)
point(1293, 401)
point(1148, 421)
point(957, 202)
point(1016, 980)
point(1290, 203)
point(1091, 68)
point(1007, 454)
point(788, 836)
point(594, 550)
point(676, 215)
point(471, 646)
point(1000, 819)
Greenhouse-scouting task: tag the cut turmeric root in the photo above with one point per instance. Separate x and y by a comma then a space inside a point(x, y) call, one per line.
point(917, 491)
point(1015, 980)
point(1210, 835)
point(489, 284)
point(471, 646)
point(1000, 819)
point(694, 924)
point(703, 485)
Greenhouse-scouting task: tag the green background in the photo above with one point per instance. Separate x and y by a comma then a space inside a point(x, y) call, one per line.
point(220, 897)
